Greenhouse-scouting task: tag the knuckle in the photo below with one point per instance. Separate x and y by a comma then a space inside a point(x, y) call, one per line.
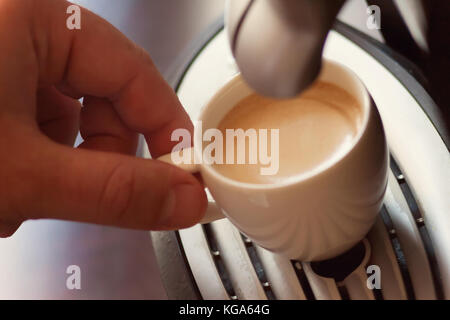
point(116, 200)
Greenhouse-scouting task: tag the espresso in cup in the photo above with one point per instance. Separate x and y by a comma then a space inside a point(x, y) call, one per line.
point(314, 128)
point(332, 173)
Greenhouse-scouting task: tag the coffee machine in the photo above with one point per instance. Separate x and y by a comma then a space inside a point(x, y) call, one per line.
point(278, 46)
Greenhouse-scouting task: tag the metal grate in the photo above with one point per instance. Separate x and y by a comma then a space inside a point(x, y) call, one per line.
point(302, 277)
point(412, 204)
point(398, 253)
point(221, 268)
point(257, 265)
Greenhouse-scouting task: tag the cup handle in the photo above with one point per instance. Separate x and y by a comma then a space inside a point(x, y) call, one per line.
point(213, 212)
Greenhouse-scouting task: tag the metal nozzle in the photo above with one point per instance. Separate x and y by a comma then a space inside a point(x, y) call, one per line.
point(278, 44)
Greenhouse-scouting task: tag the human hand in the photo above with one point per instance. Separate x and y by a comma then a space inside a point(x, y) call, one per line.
point(44, 69)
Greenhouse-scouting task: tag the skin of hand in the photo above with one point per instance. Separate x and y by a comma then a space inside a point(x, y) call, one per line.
point(45, 69)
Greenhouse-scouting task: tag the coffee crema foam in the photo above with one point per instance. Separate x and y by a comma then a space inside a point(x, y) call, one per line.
point(315, 127)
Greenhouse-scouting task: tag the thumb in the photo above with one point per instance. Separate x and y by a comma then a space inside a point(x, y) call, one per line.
point(112, 189)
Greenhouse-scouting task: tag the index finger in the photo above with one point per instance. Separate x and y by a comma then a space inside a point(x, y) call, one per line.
point(98, 60)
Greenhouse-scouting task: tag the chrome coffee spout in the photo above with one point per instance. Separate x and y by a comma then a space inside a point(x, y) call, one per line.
point(278, 44)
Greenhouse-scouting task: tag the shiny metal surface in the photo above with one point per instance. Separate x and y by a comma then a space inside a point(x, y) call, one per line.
point(278, 44)
point(115, 263)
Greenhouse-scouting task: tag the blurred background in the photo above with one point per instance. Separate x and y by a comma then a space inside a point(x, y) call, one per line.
point(116, 263)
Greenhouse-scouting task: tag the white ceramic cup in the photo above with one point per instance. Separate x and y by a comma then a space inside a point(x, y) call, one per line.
point(319, 214)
